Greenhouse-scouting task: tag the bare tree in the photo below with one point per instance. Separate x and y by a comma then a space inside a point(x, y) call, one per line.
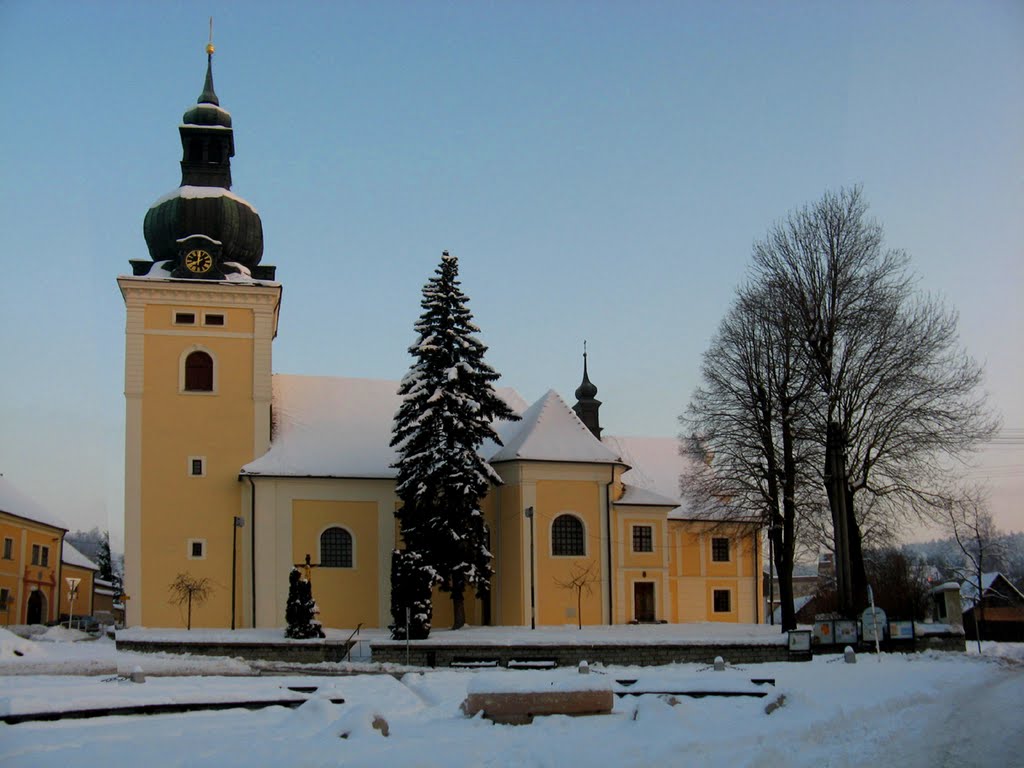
point(743, 429)
point(187, 589)
point(971, 524)
point(895, 398)
point(579, 581)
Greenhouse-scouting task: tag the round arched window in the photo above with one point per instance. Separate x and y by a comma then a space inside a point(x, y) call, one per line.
point(567, 536)
point(336, 548)
point(198, 372)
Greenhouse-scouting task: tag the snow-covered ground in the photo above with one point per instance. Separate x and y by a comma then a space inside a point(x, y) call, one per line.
point(925, 710)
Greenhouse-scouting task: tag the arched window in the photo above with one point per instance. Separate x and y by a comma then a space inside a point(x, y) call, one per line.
point(567, 536)
point(336, 548)
point(198, 372)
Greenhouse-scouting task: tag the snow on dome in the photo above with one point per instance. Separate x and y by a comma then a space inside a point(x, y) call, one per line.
point(336, 427)
point(551, 431)
point(72, 556)
point(191, 192)
point(14, 502)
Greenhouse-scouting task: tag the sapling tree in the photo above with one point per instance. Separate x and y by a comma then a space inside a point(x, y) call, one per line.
point(188, 590)
point(579, 581)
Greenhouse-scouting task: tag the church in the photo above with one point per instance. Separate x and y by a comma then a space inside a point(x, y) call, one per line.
point(235, 474)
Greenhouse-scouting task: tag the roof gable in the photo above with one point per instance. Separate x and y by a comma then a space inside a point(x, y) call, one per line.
point(72, 556)
point(551, 431)
point(328, 426)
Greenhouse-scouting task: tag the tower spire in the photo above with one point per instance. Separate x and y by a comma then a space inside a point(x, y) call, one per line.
point(587, 404)
point(209, 96)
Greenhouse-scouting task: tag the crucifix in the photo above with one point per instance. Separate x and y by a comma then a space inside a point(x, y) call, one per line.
point(307, 568)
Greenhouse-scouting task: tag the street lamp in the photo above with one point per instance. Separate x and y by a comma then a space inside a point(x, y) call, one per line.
point(533, 593)
point(773, 531)
point(239, 522)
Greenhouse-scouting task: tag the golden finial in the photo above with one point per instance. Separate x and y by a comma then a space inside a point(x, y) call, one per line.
point(209, 45)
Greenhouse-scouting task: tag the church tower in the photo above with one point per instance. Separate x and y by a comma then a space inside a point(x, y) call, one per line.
point(587, 405)
point(201, 316)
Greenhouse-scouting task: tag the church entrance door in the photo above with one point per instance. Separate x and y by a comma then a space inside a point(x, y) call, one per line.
point(36, 612)
point(643, 600)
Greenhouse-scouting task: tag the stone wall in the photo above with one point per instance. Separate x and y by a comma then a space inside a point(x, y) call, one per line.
point(426, 654)
point(296, 652)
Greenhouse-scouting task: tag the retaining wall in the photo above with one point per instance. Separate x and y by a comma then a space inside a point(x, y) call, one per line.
point(295, 651)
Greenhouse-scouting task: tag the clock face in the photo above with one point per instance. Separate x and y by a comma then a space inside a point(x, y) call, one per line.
point(198, 261)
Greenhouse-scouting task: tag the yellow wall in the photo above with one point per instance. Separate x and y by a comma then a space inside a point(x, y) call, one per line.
point(345, 596)
point(695, 575)
point(218, 426)
point(507, 544)
point(640, 567)
point(557, 604)
point(20, 576)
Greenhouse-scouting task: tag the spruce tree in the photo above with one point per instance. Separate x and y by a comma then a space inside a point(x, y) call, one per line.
point(412, 581)
point(104, 559)
point(448, 407)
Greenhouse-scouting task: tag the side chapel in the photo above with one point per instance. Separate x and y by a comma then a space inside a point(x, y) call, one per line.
point(234, 473)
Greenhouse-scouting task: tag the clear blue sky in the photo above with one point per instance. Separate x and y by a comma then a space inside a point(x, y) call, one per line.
point(601, 170)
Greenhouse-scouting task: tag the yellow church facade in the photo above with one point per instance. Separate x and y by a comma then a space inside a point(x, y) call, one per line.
point(234, 474)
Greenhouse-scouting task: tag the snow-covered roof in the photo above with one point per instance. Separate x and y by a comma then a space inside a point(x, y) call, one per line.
point(655, 466)
point(72, 556)
point(14, 502)
point(328, 426)
point(190, 191)
point(164, 270)
point(969, 589)
point(551, 431)
point(798, 605)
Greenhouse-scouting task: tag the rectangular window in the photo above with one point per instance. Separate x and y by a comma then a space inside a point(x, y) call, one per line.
point(45, 559)
point(196, 549)
point(197, 466)
point(722, 600)
point(213, 319)
point(643, 538)
point(8, 549)
point(720, 550)
point(35, 554)
point(5, 598)
point(184, 318)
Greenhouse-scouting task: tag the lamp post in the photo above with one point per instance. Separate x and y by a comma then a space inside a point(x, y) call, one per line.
point(533, 593)
point(772, 533)
point(239, 522)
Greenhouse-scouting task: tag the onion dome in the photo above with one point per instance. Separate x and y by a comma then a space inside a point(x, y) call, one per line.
point(586, 390)
point(203, 206)
point(587, 405)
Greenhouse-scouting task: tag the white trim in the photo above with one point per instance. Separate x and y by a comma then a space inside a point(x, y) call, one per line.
point(181, 370)
point(551, 537)
point(188, 549)
point(351, 536)
point(200, 332)
point(202, 466)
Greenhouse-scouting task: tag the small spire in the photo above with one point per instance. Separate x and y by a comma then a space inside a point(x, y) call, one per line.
point(586, 390)
point(209, 96)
